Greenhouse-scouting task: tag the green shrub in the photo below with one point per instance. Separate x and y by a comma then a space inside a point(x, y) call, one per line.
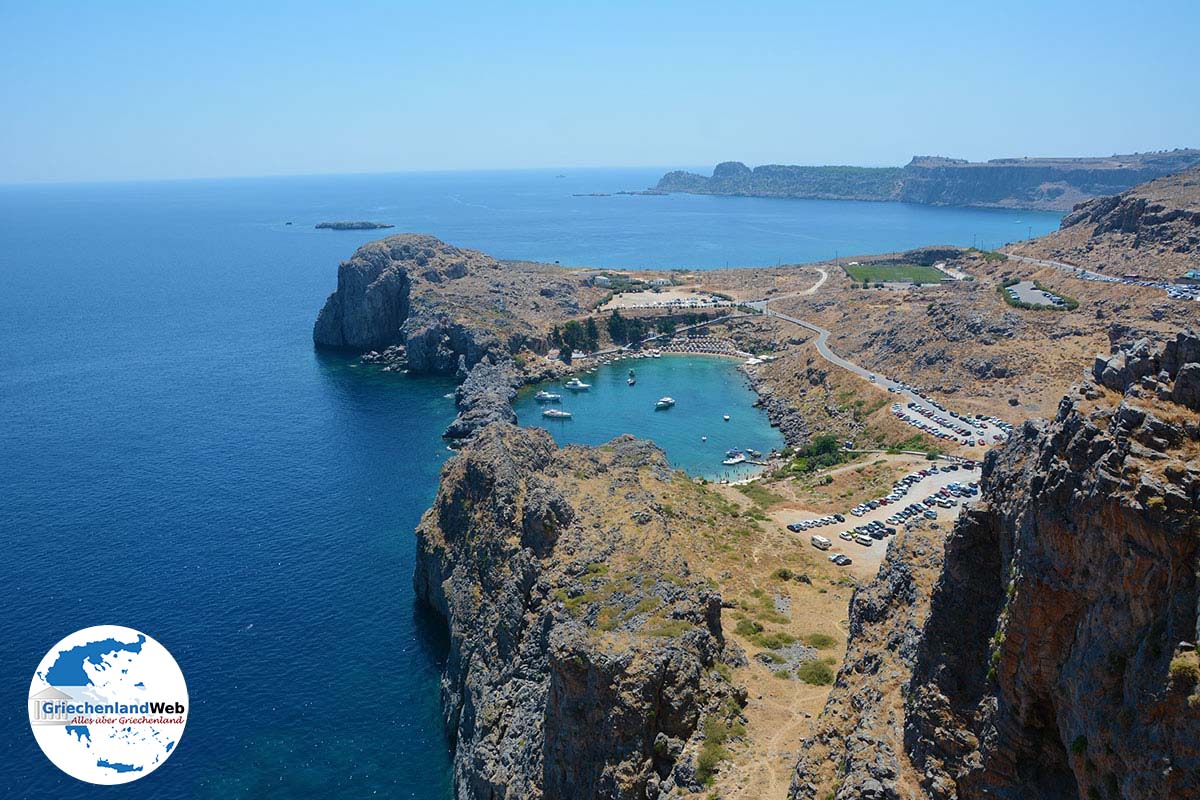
point(1183, 672)
point(1079, 746)
point(821, 641)
point(815, 672)
point(748, 628)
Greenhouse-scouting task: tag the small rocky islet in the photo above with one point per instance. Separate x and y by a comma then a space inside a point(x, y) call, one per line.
point(351, 226)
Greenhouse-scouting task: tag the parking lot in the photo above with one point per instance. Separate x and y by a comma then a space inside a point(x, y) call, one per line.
point(867, 558)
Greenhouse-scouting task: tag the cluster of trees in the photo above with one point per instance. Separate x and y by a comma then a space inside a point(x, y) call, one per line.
point(574, 336)
point(585, 336)
point(634, 329)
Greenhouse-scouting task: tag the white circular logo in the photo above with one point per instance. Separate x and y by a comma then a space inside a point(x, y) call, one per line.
point(108, 705)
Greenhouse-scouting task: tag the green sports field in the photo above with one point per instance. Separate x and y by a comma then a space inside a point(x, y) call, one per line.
point(894, 273)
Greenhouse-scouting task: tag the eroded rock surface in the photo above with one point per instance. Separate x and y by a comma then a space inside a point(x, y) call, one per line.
point(583, 658)
point(1046, 664)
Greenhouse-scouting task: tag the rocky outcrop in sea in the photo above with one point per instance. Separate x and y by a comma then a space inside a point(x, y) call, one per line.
point(393, 296)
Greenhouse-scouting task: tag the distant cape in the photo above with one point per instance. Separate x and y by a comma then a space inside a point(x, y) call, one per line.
point(1045, 184)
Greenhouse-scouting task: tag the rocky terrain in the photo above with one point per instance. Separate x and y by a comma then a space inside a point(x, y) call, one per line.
point(959, 340)
point(1151, 230)
point(1056, 657)
point(585, 658)
point(1054, 184)
point(433, 307)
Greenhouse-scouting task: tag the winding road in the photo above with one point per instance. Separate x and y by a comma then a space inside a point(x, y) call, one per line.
point(980, 428)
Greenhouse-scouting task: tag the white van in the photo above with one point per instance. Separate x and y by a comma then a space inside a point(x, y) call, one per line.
point(821, 543)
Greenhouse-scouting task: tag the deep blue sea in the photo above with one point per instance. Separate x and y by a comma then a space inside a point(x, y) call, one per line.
point(175, 457)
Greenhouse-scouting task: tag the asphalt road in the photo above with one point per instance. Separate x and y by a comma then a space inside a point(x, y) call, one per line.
point(984, 430)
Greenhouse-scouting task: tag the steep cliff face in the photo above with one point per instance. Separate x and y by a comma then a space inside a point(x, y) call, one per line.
point(859, 739)
point(779, 180)
point(1053, 184)
point(434, 307)
point(1058, 658)
point(1019, 184)
point(583, 657)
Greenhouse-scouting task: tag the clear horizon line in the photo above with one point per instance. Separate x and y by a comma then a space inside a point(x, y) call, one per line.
point(45, 182)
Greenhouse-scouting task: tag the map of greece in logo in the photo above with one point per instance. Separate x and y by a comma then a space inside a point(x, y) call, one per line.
point(108, 705)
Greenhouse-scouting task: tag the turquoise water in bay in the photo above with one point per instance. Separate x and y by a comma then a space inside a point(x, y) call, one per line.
point(704, 388)
point(176, 458)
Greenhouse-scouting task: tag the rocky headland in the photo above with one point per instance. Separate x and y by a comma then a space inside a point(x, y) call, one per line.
point(1054, 184)
point(414, 303)
point(585, 657)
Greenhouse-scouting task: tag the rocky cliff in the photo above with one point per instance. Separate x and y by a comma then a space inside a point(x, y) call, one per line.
point(1054, 184)
point(438, 308)
point(1164, 213)
point(778, 180)
point(1056, 654)
point(1058, 659)
point(583, 657)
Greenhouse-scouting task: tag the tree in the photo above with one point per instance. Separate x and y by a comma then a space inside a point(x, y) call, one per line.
point(573, 336)
point(591, 336)
point(666, 326)
point(556, 340)
point(636, 330)
point(618, 328)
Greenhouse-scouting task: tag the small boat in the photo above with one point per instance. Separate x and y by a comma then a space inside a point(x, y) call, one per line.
point(753, 453)
point(547, 397)
point(664, 403)
point(576, 385)
point(555, 413)
point(726, 418)
point(631, 381)
point(733, 457)
point(704, 438)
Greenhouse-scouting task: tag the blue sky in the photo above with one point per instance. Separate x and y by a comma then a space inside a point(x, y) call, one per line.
point(129, 90)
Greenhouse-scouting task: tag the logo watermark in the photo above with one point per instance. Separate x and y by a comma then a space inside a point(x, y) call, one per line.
point(108, 705)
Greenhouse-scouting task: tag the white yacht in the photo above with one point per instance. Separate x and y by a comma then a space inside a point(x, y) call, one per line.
point(576, 385)
point(733, 457)
point(726, 418)
point(555, 413)
point(547, 397)
point(664, 403)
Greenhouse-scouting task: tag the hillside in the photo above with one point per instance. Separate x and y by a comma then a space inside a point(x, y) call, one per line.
point(1151, 230)
point(1054, 657)
point(1052, 184)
